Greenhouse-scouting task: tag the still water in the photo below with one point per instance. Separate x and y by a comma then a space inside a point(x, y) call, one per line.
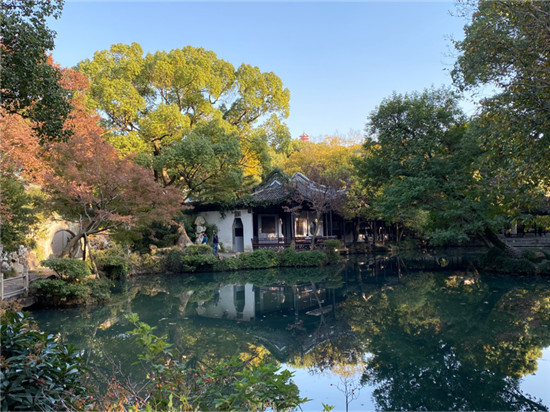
point(393, 333)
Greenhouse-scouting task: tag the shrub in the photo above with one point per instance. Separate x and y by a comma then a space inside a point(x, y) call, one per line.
point(495, 260)
point(535, 256)
point(100, 289)
point(190, 259)
point(544, 268)
point(233, 385)
point(331, 246)
point(174, 261)
point(114, 262)
point(38, 372)
point(259, 259)
point(198, 250)
point(193, 262)
point(290, 257)
point(68, 268)
point(53, 292)
point(230, 263)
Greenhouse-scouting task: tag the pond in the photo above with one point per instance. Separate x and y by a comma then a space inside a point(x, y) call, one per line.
point(415, 332)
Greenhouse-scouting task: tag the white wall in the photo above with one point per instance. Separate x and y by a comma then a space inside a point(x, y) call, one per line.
point(225, 227)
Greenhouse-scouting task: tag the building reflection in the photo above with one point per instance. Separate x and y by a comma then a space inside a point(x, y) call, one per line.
point(248, 302)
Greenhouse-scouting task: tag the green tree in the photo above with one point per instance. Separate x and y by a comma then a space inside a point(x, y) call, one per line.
point(507, 48)
point(17, 212)
point(151, 103)
point(30, 83)
point(423, 160)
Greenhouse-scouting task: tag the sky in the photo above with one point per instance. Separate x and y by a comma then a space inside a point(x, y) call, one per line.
point(338, 59)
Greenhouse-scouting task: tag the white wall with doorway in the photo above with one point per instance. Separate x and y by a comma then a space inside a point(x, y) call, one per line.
point(226, 227)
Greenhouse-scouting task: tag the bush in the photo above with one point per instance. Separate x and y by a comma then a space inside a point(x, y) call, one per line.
point(38, 372)
point(496, 260)
point(259, 259)
point(56, 292)
point(174, 261)
point(193, 262)
point(230, 263)
point(113, 262)
point(190, 259)
point(68, 268)
point(544, 268)
point(198, 250)
point(290, 257)
point(331, 250)
point(233, 385)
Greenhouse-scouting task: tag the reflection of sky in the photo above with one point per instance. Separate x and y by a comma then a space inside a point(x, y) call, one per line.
point(318, 388)
point(322, 388)
point(538, 384)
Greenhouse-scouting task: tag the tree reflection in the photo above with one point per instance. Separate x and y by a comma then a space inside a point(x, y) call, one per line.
point(449, 343)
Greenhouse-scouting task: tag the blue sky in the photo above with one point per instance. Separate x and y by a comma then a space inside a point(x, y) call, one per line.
point(338, 59)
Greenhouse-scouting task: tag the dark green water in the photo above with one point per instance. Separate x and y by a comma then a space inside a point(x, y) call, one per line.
point(409, 332)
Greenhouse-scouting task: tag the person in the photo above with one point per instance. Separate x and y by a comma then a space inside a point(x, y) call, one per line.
point(204, 239)
point(215, 242)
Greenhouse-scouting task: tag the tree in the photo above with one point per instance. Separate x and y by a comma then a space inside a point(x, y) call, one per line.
point(30, 84)
point(93, 185)
point(507, 47)
point(151, 103)
point(423, 160)
point(205, 163)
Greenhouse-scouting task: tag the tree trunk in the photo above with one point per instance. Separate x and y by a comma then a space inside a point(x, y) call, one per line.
point(183, 239)
point(92, 258)
point(491, 240)
point(70, 249)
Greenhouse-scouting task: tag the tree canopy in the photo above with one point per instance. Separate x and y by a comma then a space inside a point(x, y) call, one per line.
point(507, 47)
point(152, 103)
point(30, 83)
point(422, 159)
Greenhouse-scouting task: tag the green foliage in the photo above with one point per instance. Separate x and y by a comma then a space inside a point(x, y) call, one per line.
point(70, 269)
point(30, 84)
point(505, 49)
point(544, 268)
point(38, 371)
point(496, 260)
point(232, 385)
point(331, 249)
point(195, 249)
point(259, 259)
point(424, 162)
point(174, 261)
point(203, 134)
point(290, 257)
point(114, 262)
point(18, 212)
point(191, 263)
point(58, 292)
point(158, 234)
point(194, 257)
point(227, 264)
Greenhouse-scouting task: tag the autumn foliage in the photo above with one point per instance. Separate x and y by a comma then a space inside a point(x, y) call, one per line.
point(87, 179)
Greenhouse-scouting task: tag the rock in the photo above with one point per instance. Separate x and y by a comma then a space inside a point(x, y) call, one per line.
point(199, 221)
point(18, 268)
point(13, 257)
point(22, 252)
point(32, 260)
point(5, 266)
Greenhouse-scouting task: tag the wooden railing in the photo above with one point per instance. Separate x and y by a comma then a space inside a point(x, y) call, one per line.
point(16, 286)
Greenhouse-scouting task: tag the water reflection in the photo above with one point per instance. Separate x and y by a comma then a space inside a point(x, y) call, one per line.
point(444, 338)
